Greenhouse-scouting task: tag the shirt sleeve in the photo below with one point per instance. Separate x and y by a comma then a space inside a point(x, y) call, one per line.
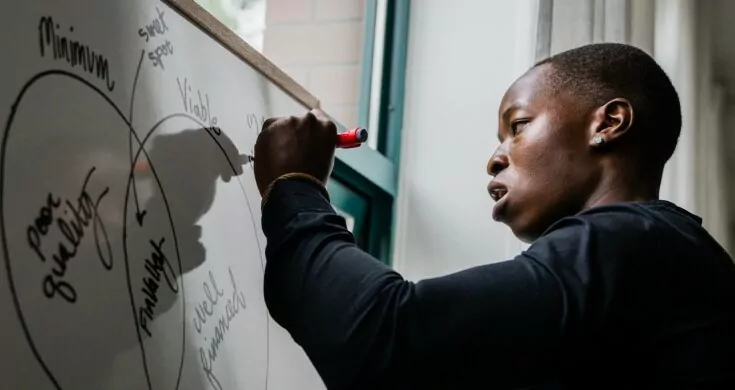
point(364, 326)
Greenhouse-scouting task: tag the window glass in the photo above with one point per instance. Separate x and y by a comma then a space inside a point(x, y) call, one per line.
point(354, 207)
point(349, 218)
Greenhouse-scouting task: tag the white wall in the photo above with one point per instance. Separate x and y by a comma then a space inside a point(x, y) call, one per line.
point(712, 185)
point(461, 59)
point(727, 145)
point(694, 177)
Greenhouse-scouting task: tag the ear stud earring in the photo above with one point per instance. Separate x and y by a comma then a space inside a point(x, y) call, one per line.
point(598, 140)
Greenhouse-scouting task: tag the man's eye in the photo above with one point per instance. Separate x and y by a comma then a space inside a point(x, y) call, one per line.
point(518, 126)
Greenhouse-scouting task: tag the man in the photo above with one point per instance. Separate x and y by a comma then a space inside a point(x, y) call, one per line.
point(619, 290)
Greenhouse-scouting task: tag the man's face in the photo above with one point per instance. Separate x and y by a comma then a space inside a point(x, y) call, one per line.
point(544, 169)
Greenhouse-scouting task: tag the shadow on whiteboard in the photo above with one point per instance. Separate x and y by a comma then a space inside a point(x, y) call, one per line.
point(96, 251)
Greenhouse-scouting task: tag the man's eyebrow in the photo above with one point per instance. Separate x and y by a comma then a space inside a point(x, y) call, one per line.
point(509, 110)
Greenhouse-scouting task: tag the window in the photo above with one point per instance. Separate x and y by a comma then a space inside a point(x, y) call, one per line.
point(350, 54)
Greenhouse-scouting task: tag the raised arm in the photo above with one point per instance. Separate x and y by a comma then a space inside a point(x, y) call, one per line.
point(363, 325)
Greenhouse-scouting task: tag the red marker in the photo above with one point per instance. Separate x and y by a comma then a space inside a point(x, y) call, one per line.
point(346, 140)
point(352, 138)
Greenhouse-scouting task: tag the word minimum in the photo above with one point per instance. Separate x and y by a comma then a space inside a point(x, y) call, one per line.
point(73, 52)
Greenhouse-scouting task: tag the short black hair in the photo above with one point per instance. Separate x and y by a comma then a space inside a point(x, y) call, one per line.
point(601, 72)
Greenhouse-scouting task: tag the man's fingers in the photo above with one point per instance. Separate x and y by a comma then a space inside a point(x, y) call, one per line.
point(325, 121)
point(309, 119)
point(320, 115)
point(268, 122)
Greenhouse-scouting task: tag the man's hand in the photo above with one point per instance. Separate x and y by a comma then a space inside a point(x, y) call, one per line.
point(296, 144)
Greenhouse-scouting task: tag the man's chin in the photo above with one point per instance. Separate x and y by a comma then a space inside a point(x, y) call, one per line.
point(526, 231)
point(506, 211)
point(525, 238)
point(522, 230)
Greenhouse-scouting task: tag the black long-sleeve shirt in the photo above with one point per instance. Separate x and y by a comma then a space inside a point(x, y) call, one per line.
point(623, 296)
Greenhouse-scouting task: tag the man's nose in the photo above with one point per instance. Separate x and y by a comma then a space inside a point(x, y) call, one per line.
point(497, 162)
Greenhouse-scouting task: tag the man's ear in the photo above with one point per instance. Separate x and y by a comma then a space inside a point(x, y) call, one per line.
point(611, 121)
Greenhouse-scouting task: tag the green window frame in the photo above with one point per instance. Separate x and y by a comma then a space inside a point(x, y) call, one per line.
point(365, 180)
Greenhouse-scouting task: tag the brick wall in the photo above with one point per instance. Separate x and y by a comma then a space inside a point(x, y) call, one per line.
point(319, 43)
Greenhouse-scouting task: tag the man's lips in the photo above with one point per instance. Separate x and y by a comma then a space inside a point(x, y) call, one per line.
point(498, 191)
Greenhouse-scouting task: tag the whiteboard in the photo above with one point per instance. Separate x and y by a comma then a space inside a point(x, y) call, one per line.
point(129, 216)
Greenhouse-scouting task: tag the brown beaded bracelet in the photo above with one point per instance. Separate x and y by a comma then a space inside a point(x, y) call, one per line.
point(294, 175)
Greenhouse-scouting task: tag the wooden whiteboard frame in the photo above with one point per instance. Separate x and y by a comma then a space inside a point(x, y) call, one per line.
point(232, 42)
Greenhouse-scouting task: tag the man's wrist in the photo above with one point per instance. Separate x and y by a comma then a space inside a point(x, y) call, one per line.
point(293, 176)
point(289, 197)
